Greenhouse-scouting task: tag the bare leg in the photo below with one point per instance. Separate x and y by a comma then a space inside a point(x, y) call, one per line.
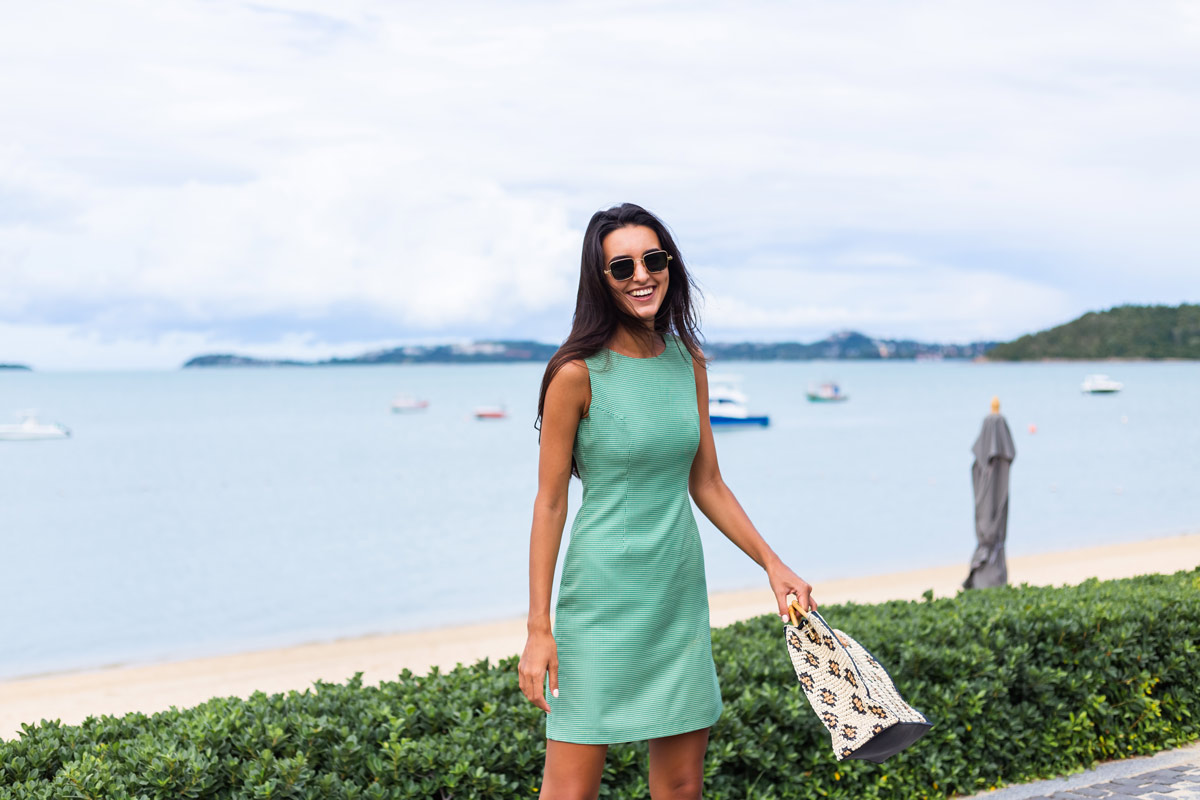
point(572, 770)
point(677, 766)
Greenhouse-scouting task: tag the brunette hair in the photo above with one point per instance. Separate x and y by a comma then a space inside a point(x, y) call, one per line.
point(597, 312)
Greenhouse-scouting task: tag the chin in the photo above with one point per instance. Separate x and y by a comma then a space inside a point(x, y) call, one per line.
point(644, 314)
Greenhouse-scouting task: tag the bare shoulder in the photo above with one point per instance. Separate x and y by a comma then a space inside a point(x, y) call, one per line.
point(571, 386)
point(573, 374)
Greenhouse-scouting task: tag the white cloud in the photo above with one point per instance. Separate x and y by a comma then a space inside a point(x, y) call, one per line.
point(250, 173)
point(66, 347)
point(900, 298)
point(361, 225)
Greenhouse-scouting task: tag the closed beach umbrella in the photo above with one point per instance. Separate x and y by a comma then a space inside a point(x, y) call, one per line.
point(994, 452)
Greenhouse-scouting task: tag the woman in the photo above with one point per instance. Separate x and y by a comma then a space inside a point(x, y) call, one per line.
point(624, 406)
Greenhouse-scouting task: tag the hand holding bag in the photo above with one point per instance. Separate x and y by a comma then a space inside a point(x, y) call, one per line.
point(850, 691)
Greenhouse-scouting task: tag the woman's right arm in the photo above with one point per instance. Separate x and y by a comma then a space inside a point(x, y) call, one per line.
point(567, 399)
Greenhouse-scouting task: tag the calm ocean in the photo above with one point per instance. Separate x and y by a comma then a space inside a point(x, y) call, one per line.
point(205, 511)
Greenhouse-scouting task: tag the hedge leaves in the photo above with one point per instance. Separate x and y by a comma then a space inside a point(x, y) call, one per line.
point(1020, 683)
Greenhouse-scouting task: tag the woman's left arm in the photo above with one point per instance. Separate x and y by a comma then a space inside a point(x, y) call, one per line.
point(717, 502)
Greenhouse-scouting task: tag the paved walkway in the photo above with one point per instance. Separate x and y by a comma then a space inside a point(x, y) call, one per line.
point(1170, 775)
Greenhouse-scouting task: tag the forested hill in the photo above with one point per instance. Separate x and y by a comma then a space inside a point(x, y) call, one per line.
point(843, 345)
point(1121, 332)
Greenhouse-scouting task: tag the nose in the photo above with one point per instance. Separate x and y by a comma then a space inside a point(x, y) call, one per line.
point(640, 273)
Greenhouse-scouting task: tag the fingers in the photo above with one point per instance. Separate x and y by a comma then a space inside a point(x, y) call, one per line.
point(805, 600)
point(539, 699)
point(539, 660)
point(531, 685)
point(784, 613)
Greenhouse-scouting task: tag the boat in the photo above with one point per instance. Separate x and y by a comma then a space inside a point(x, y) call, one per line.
point(1100, 384)
point(405, 403)
point(827, 392)
point(728, 405)
point(29, 428)
point(491, 412)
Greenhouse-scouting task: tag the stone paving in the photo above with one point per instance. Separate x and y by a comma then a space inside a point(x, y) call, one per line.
point(1171, 775)
point(1177, 783)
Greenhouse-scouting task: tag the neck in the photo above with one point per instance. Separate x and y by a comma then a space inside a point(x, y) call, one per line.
point(639, 344)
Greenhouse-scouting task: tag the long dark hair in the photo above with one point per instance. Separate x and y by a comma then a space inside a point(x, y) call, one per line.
point(597, 312)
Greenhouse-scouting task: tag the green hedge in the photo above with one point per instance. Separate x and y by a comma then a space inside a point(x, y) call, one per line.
point(1019, 682)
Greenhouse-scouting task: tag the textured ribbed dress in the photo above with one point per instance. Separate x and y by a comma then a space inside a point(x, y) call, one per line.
point(631, 622)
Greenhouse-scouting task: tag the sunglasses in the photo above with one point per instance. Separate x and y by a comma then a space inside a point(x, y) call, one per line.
point(622, 268)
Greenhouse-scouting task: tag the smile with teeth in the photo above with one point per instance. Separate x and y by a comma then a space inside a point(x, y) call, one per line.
point(641, 294)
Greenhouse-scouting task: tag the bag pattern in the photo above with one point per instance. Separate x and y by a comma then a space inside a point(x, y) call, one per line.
point(851, 692)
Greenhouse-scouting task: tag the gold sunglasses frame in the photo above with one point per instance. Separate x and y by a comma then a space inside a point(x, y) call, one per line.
point(635, 261)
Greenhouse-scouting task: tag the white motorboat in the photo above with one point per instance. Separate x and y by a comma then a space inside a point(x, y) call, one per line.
point(406, 403)
point(1100, 384)
point(728, 404)
point(827, 392)
point(29, 428)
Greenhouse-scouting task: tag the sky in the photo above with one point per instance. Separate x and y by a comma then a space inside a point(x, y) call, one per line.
point(306, 179)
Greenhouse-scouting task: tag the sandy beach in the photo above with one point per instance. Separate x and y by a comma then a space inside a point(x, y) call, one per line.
point(72, 697)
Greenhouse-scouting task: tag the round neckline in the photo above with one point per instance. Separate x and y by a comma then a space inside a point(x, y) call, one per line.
point(666, 345)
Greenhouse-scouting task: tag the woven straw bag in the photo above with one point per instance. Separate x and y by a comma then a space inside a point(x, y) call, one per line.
point(850, 691)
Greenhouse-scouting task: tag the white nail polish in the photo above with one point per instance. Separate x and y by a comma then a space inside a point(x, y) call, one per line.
point(555, 693)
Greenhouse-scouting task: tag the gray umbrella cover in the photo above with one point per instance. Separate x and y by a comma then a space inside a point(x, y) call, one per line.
point(994, 452)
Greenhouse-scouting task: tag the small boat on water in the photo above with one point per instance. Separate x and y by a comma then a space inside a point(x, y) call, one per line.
point(827, 392)
point(1100, 384)
point(491, 412)
point(406, 403)
point(728, 405)
point(29, 428)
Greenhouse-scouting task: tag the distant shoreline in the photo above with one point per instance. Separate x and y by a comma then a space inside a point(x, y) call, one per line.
point(251, 363)
point(1107, 360)
point(1149, 333)
point(847, 345)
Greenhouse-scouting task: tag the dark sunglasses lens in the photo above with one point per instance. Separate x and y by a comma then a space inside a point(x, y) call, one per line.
point(656, 262)
point(622, 269)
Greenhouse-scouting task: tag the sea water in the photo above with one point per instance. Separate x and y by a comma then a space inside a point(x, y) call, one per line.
point(203, 511)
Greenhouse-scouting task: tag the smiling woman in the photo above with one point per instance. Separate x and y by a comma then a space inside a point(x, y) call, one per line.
point(624, 405)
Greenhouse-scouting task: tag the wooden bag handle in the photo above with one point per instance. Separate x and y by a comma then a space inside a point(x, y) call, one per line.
point(795, 612)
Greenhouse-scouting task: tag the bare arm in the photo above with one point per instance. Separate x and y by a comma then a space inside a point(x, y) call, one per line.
point(717, 502)
point(566, 403)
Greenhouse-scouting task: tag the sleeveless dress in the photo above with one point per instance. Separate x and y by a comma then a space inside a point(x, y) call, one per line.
point(631, 621)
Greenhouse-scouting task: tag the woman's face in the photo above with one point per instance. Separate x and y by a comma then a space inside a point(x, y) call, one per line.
point(641, 295)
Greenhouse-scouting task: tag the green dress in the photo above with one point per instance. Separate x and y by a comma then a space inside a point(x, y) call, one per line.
point(631, 622)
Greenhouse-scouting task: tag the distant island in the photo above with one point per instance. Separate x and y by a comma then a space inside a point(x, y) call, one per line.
point(1127, 331)
point(229, 360)
point(844, 345)
point(16, 366)
point(1122, 332)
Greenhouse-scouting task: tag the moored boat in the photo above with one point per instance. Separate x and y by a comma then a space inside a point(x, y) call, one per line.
point(1100, 384)
point(728, 405)
point(827, 392)
point(491, 412)
point(29, 429)
point(406, 403)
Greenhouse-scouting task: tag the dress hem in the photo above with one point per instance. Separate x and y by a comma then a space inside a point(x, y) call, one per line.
point(649, 732)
